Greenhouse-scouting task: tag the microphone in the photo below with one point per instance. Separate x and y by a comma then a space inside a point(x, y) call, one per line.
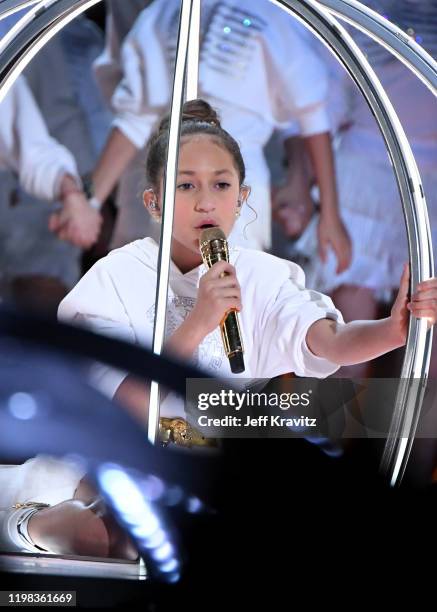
point(213, 248)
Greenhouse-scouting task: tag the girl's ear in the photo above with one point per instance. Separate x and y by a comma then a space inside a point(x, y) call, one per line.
point(151, 203)
point(244, 193)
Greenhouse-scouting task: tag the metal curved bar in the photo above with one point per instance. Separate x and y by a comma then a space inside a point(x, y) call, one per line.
point(9, 7)
point(389, 36)
point(418, 348)
point(31, 33)
point(171, 169)
point(404, 422)
point(48, 17)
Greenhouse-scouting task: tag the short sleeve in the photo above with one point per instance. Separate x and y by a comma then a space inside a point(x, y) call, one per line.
point(137, 110)
point(102, 377)
point(286, 322)
point(133, 116)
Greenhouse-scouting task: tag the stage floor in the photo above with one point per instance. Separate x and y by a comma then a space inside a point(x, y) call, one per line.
point(61, 565)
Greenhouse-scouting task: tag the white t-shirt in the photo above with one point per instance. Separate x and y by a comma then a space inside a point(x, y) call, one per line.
point(117, 297)
point(254, 60)
point(27, 147)
point(255, 67)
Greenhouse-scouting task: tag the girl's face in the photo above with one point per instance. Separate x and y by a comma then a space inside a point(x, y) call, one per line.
point(207, 194)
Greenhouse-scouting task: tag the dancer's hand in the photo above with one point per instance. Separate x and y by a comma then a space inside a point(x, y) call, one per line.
point(76, 222)
point(332, 233)
point(423, 304)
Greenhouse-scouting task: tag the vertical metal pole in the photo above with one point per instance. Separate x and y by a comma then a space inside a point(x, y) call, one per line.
point(193, 53)
point(164, 256)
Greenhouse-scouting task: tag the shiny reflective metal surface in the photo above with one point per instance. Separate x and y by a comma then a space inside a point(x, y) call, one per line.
point(418, 347)
point(171, 169)
point(389, 35)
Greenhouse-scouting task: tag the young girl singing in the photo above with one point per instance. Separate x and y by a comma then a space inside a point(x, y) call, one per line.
point(285, 327)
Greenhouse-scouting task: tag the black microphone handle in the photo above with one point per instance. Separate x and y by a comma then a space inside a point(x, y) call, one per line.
point(231, 336)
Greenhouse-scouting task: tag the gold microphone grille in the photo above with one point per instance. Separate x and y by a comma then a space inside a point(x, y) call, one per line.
point(211, 240)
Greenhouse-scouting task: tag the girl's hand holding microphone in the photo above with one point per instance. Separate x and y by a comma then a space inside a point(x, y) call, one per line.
point(219, 292)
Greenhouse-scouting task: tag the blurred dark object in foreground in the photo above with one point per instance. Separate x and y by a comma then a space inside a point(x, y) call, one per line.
point(289, 519)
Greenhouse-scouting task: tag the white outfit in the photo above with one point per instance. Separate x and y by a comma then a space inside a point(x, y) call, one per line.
point(117, 297)
point(73, 117)
point(255, 68)
point(369, 199)
point(42, 479)
point(27, 148)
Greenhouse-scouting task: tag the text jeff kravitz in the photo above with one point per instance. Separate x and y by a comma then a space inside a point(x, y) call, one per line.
point(260, 421)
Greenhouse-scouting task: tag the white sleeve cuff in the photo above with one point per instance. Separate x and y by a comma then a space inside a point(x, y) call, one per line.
point(290, 131)
point(43, 180)
point(106, 379)
point(313, 366)
point(314, 120)
point(137, 128)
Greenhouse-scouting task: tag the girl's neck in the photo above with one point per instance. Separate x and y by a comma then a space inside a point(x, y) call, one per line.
point(185, 259)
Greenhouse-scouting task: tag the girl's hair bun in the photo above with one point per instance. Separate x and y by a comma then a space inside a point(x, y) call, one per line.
point(197, 111)
point(198, 117)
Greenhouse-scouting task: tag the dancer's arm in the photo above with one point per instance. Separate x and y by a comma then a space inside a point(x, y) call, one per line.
point(117, 154)
point(331, 231)
point(361, 341)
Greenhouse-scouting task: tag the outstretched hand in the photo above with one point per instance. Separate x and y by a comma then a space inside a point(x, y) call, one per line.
point(423, 303)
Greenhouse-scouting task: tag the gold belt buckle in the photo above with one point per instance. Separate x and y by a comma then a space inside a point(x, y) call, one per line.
point(180, 432)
